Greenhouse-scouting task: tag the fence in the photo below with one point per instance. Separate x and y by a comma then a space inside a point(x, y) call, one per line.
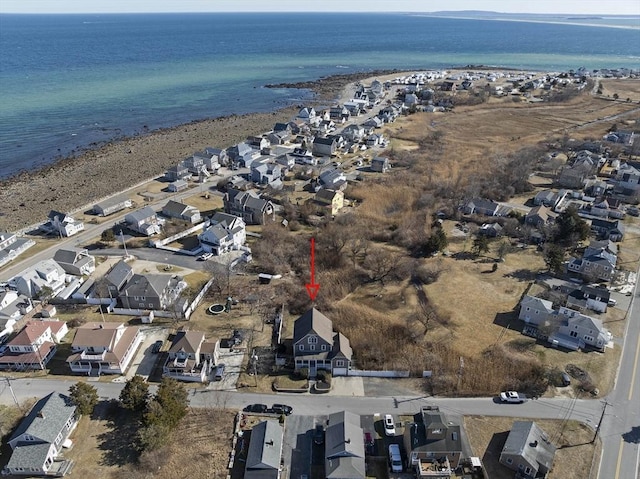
point(198, 298)
point(379, 374)
point(177, 236)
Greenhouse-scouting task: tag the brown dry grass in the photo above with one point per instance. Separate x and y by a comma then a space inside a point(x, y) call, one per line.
point(573, 461)
point(625, 88)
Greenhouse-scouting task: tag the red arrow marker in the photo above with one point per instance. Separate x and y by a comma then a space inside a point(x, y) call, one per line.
point(313, 287)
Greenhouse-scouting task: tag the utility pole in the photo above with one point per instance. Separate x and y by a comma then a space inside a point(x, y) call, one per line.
point(12, 393)
point(124, 245)
point(595, 435)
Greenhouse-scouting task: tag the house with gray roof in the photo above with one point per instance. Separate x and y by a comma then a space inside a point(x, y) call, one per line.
point(579, 331)
point(480, 206)
point(178, 185)
point(13, 306)
point(38, 441)
point(45, 274)
point(333, 178)
point(62, 224)
point(589, 297)
point(380, 164)
point(598, 261)
point(344, 447)
point(534, 310)
point(324, 146)
point(528, 450)
point(613, 230)
point(433, 444)
point(178, 172)
point(144, 221)
point(75, 261)
point(226, 233)
point(248, 205)
point(151, 291)
point(191, 357)
point(111, 206)
point(117, 277)
point(265, 451)
point(267, 174)
point(175, 209)
point(11, 246)
point(317, 346)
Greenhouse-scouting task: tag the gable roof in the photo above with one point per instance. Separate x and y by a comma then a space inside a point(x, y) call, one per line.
point(47, 418)
point(175, 208)
point(536, 303)
point(187, 341)
point(265, 449)
point(151, 285)
point(313, 321)
point(344, 446)
point(526, 439)
point(118, 274)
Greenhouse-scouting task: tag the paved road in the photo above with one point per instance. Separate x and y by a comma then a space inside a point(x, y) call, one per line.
point(620, 431)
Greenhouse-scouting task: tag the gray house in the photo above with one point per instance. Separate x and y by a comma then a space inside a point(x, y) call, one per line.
point(317, 346)
point(111, 205)
point(152, 291)
point(178, 172)
point(174, 209)
point(324, 146)
point(40, 437)
point(534, 310)
point(248, 205)
point(380, 164)
point(75, 261)
point(144, 221)
point(117, 277)
point(528, 450)
point(598, 261)
point(344, 447)
point(480, 206)
point(265, 450)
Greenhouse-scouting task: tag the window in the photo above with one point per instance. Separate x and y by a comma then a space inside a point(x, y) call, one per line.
point(312, 347)
point(509, 460)
point(301, 347)
point(339, 363)
point(323, 347)
point(573, 334)
point(527, 470)
point(312, 340)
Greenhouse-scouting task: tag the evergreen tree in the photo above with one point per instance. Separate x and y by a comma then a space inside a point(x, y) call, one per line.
point(135, 394)
point(571, 228)
point(480, 245)
point(554, 258)
point(84, 396)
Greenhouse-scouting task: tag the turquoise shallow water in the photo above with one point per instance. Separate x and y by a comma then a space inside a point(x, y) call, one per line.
point(68, 81)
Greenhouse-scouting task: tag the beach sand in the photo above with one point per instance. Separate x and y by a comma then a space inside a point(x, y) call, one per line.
point(73, 183)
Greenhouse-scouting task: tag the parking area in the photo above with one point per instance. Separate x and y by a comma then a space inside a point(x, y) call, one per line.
point(145, 360)
point(232, 360)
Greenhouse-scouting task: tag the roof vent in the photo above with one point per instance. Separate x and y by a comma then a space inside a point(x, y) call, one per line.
point(269, 443)
point(534, 444)
point(348, 441)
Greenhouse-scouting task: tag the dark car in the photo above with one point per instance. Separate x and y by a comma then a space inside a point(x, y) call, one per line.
point(318, 434)
point(259, 408)
point(219, 372)
point(157, 346)
point(281, 409)
point(369, 442)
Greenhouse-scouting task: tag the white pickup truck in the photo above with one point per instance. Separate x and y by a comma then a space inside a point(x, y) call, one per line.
point(512, 397)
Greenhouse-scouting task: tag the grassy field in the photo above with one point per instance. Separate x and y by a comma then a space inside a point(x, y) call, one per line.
point(574, 457)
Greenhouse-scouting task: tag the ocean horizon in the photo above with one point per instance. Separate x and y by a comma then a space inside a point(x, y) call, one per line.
point(70, 82)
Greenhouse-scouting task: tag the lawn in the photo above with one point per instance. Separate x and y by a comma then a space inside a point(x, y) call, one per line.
point(574, 459)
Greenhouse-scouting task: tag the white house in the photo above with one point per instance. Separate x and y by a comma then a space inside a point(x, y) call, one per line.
point(226, 233)
point(40, 437)
point(45, 274)
point(34, 346)
point(62, 224)
point(144, 221)
point(103, 348)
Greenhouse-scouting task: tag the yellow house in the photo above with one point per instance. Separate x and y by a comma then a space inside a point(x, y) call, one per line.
point(332, 199)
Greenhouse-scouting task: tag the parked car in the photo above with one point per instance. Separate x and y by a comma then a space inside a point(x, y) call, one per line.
point(318, 434)
point(259, 408)
point(389, 425)
point(281, 409)
point(205, 256)
point(369, 443)
point(512, 397)
point(219, 372)
point(395, 459)
point(157, 346)
point(566, 379)
point(612, 302)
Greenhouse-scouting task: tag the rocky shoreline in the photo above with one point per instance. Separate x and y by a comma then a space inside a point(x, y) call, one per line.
point(74, 182)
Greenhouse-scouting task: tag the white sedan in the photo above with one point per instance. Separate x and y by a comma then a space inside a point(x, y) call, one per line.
point(389, 425)
point(512, 397)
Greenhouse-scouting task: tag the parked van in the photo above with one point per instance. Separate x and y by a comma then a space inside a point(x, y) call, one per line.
point(566, 379)
point(394, 458)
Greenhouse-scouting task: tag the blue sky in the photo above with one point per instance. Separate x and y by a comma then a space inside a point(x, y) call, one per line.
point(574, 7)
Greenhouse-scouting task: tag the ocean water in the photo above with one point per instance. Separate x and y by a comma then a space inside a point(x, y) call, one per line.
point(70, 81)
